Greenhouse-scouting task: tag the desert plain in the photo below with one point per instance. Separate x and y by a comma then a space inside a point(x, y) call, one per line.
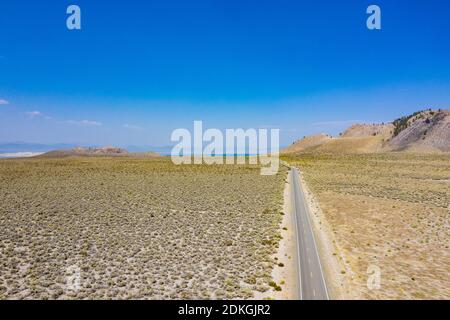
point(130, 228)
point(143, 228)
point(386, 212)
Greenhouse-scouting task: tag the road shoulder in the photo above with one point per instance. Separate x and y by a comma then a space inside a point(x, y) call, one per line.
point(285, 272)
point(326, 245)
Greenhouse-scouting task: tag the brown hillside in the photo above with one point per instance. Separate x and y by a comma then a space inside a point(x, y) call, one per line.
point(369, 130)
point(370, 144)
point(423, 131)
point(307, 143)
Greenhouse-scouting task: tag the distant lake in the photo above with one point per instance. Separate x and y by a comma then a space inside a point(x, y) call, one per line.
point(20, 154)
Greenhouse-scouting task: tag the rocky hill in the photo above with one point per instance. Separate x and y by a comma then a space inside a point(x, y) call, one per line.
point(426, 131)
point(423, 131)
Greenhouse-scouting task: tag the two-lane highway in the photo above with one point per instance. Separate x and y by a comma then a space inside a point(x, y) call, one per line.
point(312, 282)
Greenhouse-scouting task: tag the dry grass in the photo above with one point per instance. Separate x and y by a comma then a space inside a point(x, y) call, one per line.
point(387, 210)
point(136, 228)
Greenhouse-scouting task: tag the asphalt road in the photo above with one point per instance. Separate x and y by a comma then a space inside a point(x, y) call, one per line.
point(312, 282)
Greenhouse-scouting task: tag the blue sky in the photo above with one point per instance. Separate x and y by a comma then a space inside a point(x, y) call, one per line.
point(139, 69)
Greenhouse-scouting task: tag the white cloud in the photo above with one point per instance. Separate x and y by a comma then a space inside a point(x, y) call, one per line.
point(3, 102)
point(33, 114)
point(84, 122)
point(337, 123)
point(268, 126)
point(132, 127)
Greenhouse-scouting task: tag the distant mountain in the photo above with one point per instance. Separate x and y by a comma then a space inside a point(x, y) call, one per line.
point(13, 147)
point(96, 152)
point(423, 131)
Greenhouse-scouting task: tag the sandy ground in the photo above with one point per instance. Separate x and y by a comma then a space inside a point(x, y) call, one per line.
point(286, 276)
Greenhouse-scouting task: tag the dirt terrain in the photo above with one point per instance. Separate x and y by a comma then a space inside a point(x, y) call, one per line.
point(121, 228)
point(388, 212)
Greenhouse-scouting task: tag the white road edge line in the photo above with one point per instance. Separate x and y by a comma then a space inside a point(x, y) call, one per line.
point(296, 233)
